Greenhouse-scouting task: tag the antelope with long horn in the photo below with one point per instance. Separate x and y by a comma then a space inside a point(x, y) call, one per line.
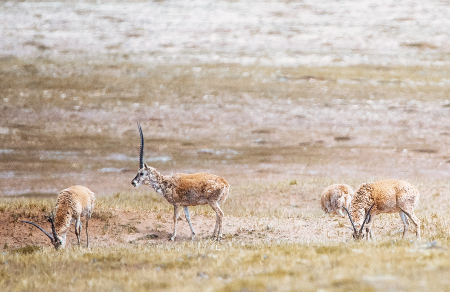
point(183, 190)
point(386, 196)
point(71, 204)
point(358, 234)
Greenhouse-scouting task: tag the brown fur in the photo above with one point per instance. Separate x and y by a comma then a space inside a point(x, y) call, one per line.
point(71, 204)
point(388, 196)
point(335, 197)
point(187, 190)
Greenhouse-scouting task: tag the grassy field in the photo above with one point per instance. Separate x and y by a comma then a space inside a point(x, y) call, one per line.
point(281, 98)
point(258, 257)
point(210, 266)
point(235, 263)
point(278, 135)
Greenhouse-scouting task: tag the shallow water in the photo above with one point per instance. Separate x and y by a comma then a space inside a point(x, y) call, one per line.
point(276, 33)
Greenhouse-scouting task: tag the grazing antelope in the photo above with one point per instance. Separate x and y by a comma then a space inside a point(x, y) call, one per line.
point(184, 190)
point(335, 197)
point(386, 196)
point(71, 204)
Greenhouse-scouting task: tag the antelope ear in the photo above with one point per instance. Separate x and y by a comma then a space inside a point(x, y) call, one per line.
point(145, 166)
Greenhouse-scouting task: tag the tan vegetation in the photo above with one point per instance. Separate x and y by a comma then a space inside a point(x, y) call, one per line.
point(281, 98)
point(281, 142)
point(245, 259)
point(194, 266)
point(257, 256)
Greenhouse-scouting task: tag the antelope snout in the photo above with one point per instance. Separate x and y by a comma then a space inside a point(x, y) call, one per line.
point(135, 183)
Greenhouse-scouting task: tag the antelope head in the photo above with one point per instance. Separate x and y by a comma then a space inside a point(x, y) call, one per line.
point(358, 234)
point(142, 177)
point(56, 240)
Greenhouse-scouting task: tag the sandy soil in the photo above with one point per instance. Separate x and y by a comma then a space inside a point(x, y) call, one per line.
point(145, 228)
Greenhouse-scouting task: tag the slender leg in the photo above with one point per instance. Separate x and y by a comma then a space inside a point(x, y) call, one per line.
point(87, 234)
point(219, 216)
point(175, 217)
point(217, 225)
point(415, 220)
point(76, 231)
point(217, 221)
point(80, 227)
point(179, 215)
point(188, 218)
point(369, 227)
point(405, 222)
point(369, 232)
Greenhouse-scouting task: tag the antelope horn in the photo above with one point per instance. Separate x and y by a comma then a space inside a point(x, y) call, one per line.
point(365, 218)
point(349, 216)
point(40, 229)
point(141, 149)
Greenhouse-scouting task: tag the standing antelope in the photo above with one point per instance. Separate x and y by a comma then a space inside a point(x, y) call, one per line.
point(184, 190)
point(71, 204)
point(386, 196)
point(335, 197)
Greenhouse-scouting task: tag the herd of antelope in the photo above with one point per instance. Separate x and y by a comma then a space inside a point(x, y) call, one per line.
point(184, 190)
point(370, 199)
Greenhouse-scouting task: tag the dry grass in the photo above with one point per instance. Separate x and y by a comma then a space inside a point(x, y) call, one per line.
point(279, 135)
point(205, 265)
point(236, 263)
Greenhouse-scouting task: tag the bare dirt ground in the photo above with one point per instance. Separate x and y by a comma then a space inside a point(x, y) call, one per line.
point(145, 228)
point(262, 94)
point(132, 227)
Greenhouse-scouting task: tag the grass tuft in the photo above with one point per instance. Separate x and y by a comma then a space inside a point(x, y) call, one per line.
point(29, 249)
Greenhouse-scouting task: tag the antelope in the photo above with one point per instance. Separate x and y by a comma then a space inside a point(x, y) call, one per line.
point(71, 204)
point(335, 197)
point(184, 190)
point(386, 196)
